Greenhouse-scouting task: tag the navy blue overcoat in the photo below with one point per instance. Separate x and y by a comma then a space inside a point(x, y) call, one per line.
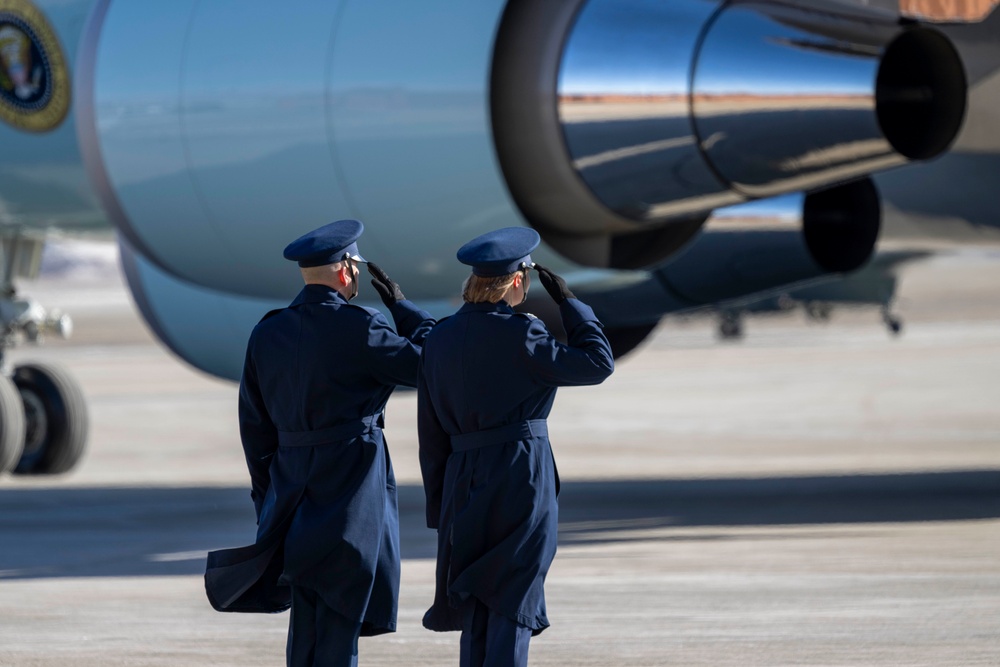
point(315, 383)
point(487, 382)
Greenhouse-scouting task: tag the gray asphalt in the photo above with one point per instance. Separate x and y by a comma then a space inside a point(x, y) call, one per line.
point(815, 495)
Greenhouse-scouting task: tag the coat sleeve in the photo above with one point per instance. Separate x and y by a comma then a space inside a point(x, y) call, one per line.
point(391, 357)
point(412, 323)
point(257, 432)
point(435, 447)
point(586, 358)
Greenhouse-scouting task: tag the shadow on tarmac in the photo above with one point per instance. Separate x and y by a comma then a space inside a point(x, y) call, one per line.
point(119, 532)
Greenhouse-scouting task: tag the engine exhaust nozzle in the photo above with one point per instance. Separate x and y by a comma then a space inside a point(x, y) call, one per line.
point(785, 100)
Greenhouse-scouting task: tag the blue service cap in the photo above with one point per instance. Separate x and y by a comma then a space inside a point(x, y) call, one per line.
point(329, 244)
point(500, 252)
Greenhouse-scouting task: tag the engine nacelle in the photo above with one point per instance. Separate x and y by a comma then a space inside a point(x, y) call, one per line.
point(731, 258)
point(620, 117)
point(743, 253)
point(207, 328)
point(611, 125)
point(216, 136)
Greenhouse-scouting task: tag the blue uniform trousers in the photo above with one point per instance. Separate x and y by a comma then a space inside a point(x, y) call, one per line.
point(491, 640)
point(319, 636)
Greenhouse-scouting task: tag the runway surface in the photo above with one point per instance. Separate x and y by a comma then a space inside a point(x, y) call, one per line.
point(814, 495)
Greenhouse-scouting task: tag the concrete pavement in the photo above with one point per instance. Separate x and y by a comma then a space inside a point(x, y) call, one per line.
point(815, 495)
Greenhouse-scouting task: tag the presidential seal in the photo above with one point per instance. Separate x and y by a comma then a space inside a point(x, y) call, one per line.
point(34, 83)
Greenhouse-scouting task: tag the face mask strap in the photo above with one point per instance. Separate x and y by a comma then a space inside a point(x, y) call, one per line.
point(354, 279)
point(525, 267)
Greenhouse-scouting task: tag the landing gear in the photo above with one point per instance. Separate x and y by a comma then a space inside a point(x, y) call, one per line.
point(56, 420)
point(11, 425)
point(818, 311)
point(892, 322)
point(730, 326)
point(43, 414)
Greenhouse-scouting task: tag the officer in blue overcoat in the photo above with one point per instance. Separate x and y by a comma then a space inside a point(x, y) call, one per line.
point(315, 383)
point(488, 377)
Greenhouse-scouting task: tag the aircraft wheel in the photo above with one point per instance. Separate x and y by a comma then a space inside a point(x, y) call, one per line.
point(819, 311)
point(11, 425)
point(892, 323)
point(56, 420)
point(730, 328)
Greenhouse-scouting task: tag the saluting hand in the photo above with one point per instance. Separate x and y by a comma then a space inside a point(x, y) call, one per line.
point(386, 288)
point(554, 285)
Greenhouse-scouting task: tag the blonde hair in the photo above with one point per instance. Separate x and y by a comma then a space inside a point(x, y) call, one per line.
point(480, 289)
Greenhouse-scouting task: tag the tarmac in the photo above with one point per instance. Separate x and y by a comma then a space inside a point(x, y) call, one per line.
point(816, 494)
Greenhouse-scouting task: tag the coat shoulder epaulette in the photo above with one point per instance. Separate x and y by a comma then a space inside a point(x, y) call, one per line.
point(529, 316)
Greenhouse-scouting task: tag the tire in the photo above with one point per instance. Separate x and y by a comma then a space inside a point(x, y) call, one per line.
point(730, 328)
point(55, 419)
point(11, 425)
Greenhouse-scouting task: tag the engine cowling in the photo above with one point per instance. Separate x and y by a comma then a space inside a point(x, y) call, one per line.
point(456, 118)
point(738, 253)
point(239, 131)
point(622, 117)
point(733, 256)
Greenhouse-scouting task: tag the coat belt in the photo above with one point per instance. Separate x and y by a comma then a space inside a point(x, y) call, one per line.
point(323, 436)
point(530, 428)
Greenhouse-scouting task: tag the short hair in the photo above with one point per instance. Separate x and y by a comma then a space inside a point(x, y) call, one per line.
point(482, 289)
point(321, 273)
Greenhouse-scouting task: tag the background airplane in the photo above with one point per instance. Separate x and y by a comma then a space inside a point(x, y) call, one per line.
point(873, 286)
point(210, 132)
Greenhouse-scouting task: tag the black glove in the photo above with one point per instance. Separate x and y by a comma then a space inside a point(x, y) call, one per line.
point(388, 290)
point(554, 285)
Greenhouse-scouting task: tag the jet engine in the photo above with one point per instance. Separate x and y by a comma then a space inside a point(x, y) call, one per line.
point(742, 251)
point(620, 124)
point(612, 126)
point(735, 255)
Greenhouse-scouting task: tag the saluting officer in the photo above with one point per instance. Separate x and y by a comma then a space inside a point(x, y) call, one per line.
point(487, 381)
point(315, 382)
